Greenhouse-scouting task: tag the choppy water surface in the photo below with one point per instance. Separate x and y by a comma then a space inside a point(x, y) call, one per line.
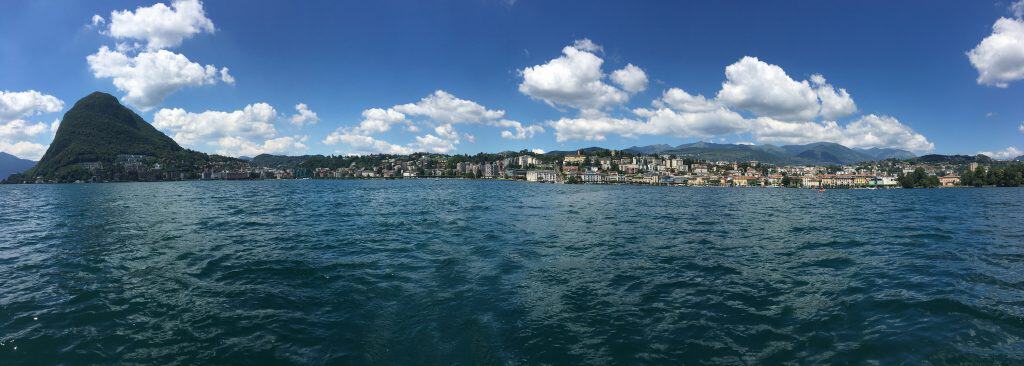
point(491, 272)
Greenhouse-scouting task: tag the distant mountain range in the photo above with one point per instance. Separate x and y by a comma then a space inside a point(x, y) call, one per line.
point(10, 164)
point(279, 161)
point(815, 153)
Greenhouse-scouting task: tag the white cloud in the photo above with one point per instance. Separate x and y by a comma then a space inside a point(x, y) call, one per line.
point(97, 20)
point(188, 128)
point(303, 115)
point(1021, 128)
point(1017, 8)
point(1005, 154)
point(444, 107)
point(21, 129)
point(237, 146)
point(149, 77)
point(594, 129)
point(767, 91)
point(23, 149)
point(362, 144)
point(867, 131)
point(717, 122)
point(443, 140)
point(662, 122)
point(682, 101)
point(376, 120)
point(159, 26)
point(537, 151)
point(249, 131)
point(632, 79)
point(999, 58)
point(574, 80)
point(785, 112)
point(27, 103)
point(834, 104)
point(518, 132)
point(438, 108)
point(587, 45)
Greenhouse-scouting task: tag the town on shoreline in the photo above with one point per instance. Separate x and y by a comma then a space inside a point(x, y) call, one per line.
point(593, 166)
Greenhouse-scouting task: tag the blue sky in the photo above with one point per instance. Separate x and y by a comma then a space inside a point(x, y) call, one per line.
point(542, 71)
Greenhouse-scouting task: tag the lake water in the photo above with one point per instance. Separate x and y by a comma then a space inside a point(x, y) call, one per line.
point(498, 272)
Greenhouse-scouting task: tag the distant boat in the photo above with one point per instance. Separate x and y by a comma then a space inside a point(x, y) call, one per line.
point(821, 190)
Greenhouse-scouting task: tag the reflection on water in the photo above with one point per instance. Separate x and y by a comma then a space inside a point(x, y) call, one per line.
point(493, 272)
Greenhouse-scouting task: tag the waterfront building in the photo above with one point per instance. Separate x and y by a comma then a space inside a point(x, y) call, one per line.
point(541, 176)
point(950, 180)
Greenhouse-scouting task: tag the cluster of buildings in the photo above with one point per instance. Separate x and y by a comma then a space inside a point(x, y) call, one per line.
point(613, 168)
point(603, 167)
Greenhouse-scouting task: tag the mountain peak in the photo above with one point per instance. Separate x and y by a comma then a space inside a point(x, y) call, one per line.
point(97, 129)
point(98, 98)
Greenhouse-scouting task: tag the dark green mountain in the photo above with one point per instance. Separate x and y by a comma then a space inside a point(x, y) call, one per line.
point(10, 164)
point(97, 129)
point(815, 153)
point(887, 153)
point(953, 159)
point(95, 139)
point(649, 149)
point(280, 161)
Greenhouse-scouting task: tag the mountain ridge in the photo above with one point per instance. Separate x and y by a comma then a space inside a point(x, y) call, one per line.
point(10, 164)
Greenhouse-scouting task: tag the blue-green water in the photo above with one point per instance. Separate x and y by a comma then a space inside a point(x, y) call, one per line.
point(494, 272)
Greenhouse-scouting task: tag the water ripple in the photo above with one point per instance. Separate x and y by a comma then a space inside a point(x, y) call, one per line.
point(495, 272)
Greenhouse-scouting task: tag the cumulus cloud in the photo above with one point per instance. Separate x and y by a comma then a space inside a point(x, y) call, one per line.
point(630, 78)
point(444, 107)
point(834, 104)
point(575, 80)
point(682, 101)
point(149, 77)
point(362, 144)
point(999, 58)
point(27, 103)
point(784, 111)
point(1005, 154)
point(867, 131)
point(303, 115)
point(767, 91)
point(662, 122)
point(23, 149)
point(159, 26)
point(237, 146)
point(18, 128)
point(518, 131)
point(443, 140)
point(438, 111)
point(377, 120)
point(97, 21)
point(594, 128)
point(587, 45)
point(249, 131)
